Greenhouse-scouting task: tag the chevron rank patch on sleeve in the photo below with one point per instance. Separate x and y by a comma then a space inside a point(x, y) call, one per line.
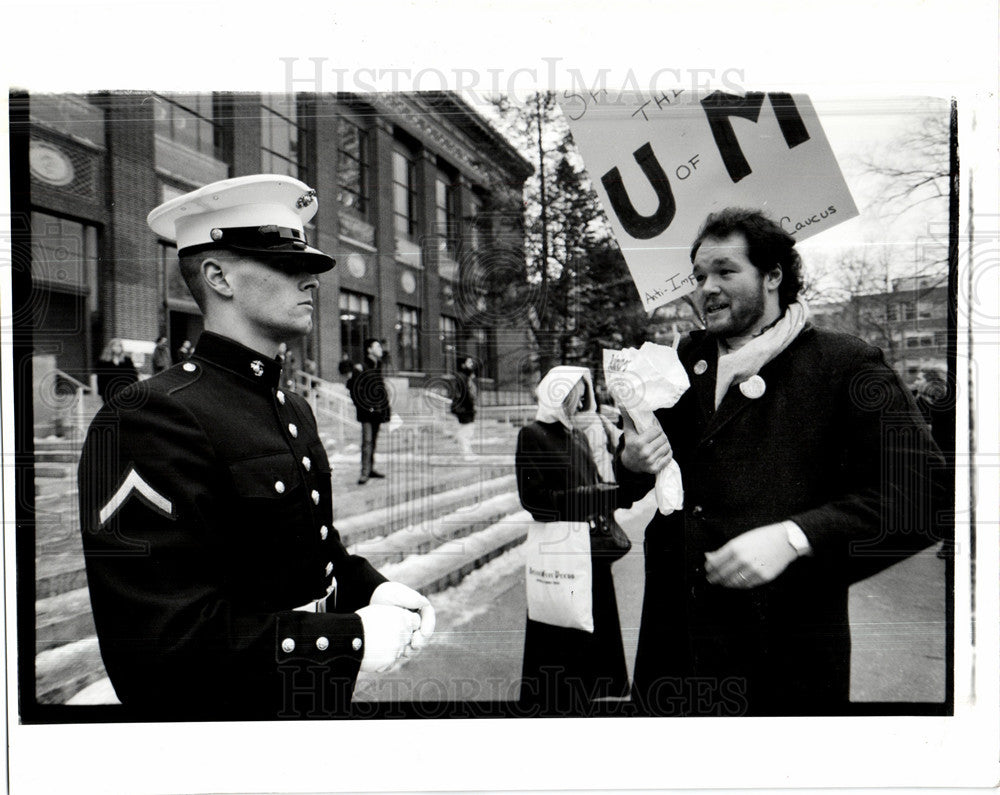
point(133, 482)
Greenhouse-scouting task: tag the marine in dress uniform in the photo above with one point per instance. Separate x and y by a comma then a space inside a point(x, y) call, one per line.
point(219, 584)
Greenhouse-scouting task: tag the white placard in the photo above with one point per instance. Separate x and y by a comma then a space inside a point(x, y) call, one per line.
point(662, 163)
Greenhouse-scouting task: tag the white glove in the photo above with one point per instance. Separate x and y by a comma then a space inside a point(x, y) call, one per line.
point(388, 631)
point(399, 595)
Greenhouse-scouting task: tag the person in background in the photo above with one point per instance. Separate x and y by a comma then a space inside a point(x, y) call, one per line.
point(565, 670)
point(463, 405)
point(602, 436)
point(161, 356)
point(371, 402)
point(185, 351)
point(938, 410)
point(115, 370)
point(931, 393)
point(345, 366)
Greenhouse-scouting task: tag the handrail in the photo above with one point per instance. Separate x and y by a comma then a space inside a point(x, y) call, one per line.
point(325, 398)
point(78, 384)
point(81, 389)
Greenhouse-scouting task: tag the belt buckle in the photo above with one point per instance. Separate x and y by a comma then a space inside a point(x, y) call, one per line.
point(319, 605)
point(321, 602)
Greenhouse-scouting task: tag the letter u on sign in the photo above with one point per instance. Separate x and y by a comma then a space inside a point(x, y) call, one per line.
point(642, 227)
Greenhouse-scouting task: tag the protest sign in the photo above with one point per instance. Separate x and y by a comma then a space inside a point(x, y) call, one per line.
point(662, 163)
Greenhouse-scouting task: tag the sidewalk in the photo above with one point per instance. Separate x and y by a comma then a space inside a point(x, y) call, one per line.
point(897, 618)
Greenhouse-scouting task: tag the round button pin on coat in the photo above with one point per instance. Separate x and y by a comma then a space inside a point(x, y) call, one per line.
point(754, 387)
point(700, 367)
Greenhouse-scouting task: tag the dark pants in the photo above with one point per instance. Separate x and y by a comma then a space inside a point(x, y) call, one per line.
point(369, 436)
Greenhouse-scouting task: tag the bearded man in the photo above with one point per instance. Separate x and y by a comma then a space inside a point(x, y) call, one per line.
point(806, 467)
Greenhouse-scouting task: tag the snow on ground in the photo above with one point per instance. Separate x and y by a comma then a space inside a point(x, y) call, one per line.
point(463, 602)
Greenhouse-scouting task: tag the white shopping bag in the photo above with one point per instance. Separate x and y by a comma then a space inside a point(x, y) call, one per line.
point(558, 575)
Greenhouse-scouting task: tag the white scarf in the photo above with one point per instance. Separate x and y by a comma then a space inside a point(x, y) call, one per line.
point(553, 390)
point(738, 366)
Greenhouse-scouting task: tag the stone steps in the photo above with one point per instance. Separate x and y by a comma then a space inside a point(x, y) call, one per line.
point(429, 535)
point(64, 618)
point(63, 671)
point(385, 519)
point(450, 562)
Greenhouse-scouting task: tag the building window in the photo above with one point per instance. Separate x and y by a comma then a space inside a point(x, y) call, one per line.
point(408, 338)
point(352, 167)
point(171, 269)
point(907, 311)
point(404, 194)
point(446, 214)
point(478, 225)
point(188, 119)
point(941, 338)
point(355, 324)
point(281, 136)
point(449, 342)
point(478, 347)
point(64, 256)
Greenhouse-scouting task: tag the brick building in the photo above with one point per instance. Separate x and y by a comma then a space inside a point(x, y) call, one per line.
point(406, 186)
point(909, 323)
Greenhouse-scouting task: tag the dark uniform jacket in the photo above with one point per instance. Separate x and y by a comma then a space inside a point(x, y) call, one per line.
point(834, 444)
point(205, 504)
point(367, 388)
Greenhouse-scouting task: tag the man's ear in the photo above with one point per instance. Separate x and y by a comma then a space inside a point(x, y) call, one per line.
point(213, 273)
point(772, 279)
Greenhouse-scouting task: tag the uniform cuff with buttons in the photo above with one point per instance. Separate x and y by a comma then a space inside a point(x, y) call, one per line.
point(321, 638)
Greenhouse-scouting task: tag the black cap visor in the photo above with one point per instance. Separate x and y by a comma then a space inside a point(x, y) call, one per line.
point(281, 246)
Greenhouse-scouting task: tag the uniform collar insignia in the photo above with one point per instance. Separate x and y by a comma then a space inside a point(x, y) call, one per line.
point(254, 366)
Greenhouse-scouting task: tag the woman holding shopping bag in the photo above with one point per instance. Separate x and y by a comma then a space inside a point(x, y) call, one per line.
point(568, 664)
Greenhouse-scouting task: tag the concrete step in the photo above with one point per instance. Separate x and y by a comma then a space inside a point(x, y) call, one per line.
point(59, 471)
point(63, 618)
point(70, 443)
point(449, 563)
point(422, 538)
point(385, 519)
point(100, 692)
point(407, 479)
point(59, 573)
point(57, 457)
point(62, 672)
point(51, 488)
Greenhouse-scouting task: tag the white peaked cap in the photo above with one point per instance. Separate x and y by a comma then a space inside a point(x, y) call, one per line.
point(262, 213)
